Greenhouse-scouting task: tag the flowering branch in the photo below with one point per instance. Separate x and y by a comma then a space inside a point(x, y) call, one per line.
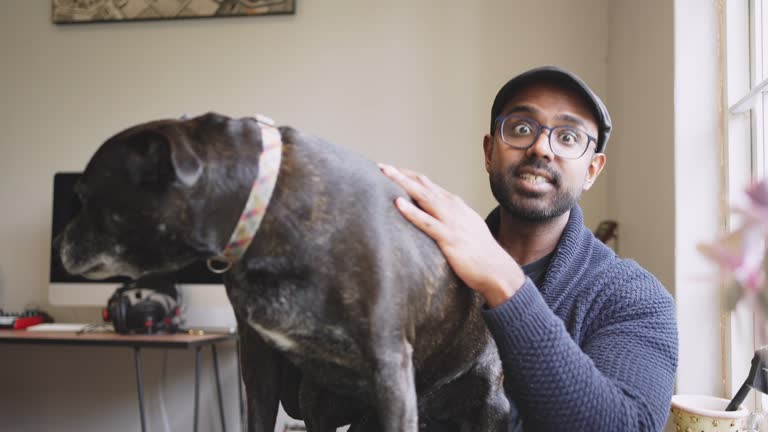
point(740, 254)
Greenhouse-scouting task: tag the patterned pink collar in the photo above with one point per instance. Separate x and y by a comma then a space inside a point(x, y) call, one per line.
point(258, 200)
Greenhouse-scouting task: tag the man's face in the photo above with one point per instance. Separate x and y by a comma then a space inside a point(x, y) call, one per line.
point(533, 184)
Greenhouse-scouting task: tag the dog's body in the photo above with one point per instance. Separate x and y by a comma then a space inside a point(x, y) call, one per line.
point(336, 281)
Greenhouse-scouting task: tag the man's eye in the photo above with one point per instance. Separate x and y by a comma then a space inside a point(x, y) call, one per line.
point(568, 136)
point(522, 129)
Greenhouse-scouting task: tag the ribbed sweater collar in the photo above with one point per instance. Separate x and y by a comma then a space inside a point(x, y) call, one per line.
point(571, 255)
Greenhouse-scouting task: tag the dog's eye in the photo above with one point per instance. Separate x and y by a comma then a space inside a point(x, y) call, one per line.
point(107, 221)
point(80, 192)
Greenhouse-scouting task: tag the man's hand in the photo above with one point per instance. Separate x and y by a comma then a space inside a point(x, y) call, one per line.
point(461, 234)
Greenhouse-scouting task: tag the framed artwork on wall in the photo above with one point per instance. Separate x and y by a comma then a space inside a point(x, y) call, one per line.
point(88, 11)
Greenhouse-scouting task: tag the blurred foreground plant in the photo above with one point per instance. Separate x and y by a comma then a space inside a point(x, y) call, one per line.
point(741, 252)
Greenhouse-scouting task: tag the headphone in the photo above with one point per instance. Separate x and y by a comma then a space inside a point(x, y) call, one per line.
point(148, 305)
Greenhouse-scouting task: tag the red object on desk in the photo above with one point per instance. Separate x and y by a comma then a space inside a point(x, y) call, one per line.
point(20, 322)
point(24, 322)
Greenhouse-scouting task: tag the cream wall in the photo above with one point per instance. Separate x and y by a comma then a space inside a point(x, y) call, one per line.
point(640, 168)
point(405, 82)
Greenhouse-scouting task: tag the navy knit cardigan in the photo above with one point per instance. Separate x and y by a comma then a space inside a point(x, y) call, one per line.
point(594, 348)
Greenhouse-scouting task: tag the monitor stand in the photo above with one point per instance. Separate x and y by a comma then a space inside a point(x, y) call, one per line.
point(207, 308)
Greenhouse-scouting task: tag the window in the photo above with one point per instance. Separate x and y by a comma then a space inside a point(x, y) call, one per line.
point(744, 28)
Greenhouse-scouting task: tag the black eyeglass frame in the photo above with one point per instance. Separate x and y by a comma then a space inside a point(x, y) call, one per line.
point(539, 129)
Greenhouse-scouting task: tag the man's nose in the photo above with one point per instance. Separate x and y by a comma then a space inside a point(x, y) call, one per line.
point(541, 147)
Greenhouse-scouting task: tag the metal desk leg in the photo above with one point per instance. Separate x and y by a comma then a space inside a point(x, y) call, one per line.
point(243, 418)
point(197, 383)
point(140, 385)
point(218, 386)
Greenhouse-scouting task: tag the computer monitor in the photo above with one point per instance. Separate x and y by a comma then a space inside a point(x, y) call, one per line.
point(202, 291)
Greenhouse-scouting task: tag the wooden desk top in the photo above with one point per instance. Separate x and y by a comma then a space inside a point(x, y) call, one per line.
point(176, 340)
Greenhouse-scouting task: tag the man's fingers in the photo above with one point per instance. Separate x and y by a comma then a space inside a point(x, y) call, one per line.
point(424, 180)
point(400, 176)
point(423, 220)
point(415, 188)
point(420, 188)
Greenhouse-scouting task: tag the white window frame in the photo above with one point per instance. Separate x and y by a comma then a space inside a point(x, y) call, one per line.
point(744, 95)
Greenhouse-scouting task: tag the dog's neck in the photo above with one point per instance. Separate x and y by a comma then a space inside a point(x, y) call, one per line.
point(257, 201)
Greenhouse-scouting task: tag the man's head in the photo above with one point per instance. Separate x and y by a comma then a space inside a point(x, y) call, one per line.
point(548, 135)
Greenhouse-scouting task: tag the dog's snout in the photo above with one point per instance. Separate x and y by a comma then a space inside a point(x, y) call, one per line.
point(68, 247)
point(63, 252)
point(56, 242)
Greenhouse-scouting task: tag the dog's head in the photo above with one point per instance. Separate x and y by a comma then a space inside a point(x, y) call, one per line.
point(145, 190)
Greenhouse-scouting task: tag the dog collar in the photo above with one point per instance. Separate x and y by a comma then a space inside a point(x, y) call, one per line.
point(258, 200)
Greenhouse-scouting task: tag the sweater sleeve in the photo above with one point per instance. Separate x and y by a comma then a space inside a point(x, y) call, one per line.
point(621, 378)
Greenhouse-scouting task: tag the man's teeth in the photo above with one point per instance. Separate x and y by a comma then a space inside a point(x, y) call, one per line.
point(533, 178)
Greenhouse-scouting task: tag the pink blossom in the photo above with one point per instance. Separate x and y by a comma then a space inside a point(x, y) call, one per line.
point(756, 211)
point(740, 253)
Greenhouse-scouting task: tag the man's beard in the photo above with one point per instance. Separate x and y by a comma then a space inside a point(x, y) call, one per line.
point(530, 206)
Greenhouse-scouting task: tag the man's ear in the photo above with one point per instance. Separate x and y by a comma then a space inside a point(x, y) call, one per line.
point(160, 157)
point(488, 150)
point(594, 169)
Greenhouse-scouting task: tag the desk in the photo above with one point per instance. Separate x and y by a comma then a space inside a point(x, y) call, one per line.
point(137, 342)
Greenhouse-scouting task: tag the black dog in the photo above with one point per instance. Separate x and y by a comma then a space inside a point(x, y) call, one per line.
point(335, 280)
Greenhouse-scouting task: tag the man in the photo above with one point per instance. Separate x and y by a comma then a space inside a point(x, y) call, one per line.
point(588, 340)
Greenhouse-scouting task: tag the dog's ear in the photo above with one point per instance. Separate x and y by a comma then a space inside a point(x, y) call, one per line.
point(148, 159)
point(159, 156)
point(186, 164)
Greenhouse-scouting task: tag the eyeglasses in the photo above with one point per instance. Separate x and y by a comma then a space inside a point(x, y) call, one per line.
point(521, 132)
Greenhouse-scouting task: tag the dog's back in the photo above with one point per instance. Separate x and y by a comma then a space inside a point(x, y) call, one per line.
point(336, 276)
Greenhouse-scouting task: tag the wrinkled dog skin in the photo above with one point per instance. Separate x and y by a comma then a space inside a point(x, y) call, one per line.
point(336, 282)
